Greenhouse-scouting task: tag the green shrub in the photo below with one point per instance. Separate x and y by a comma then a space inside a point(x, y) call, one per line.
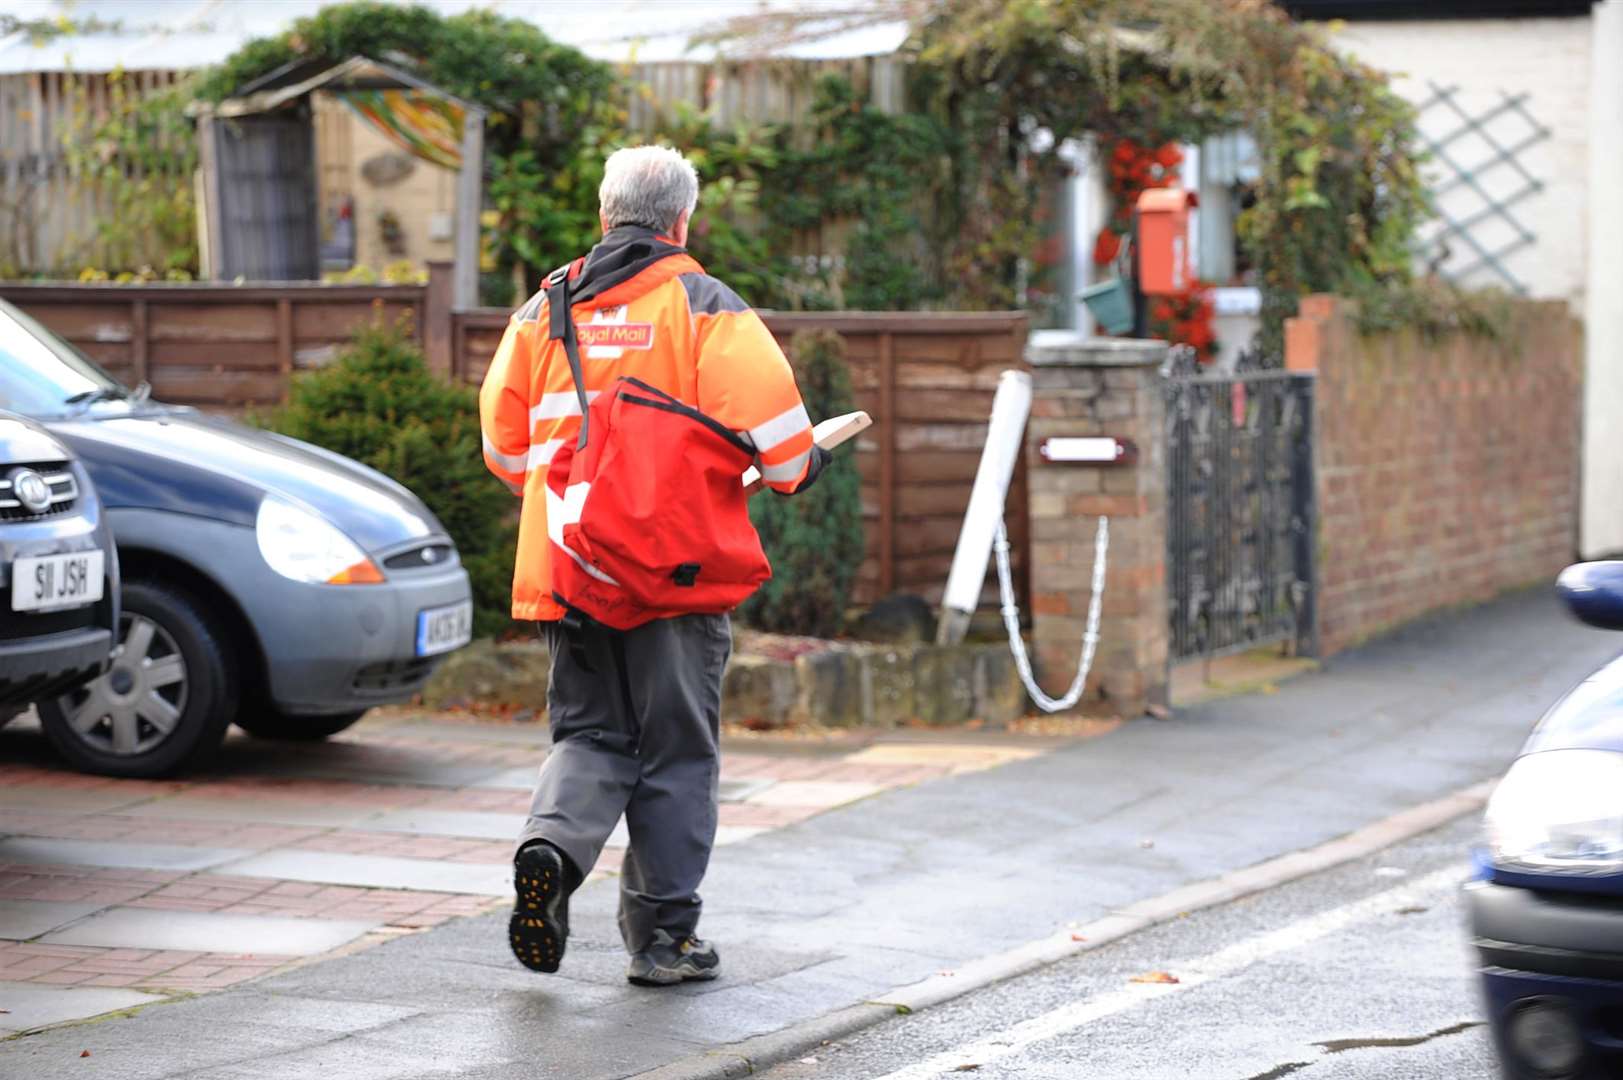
point(379, 404)
point(814, 539)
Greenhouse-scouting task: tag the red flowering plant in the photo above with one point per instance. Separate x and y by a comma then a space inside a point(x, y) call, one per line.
point(1186, 319)
point(1132, 168)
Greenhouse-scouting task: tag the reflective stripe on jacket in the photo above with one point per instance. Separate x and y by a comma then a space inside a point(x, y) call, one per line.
point(643, 308)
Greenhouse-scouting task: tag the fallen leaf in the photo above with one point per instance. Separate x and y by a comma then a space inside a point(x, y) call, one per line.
point(1078, 937)
point(1154, 977)
point(84, 1053)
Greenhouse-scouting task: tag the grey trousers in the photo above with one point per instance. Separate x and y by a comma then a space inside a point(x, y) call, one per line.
point(638, 735)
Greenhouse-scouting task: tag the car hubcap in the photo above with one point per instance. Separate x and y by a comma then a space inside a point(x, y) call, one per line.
point(136, 705)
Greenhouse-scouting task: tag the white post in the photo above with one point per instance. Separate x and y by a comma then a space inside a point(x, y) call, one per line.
point(1005, 439)
point(470, 181)
point(1601, 513)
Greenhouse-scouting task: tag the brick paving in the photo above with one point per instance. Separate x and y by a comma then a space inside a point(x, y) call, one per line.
point(270, 798)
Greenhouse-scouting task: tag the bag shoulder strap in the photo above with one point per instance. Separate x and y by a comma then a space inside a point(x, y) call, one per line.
point(561, 327)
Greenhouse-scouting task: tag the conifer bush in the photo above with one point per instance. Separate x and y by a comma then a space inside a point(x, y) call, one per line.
point(379, 403)
point(814, 539)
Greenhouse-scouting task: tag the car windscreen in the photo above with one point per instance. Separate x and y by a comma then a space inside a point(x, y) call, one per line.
point(42, 375)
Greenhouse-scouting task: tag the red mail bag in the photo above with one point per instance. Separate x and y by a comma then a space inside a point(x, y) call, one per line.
point(647, 513)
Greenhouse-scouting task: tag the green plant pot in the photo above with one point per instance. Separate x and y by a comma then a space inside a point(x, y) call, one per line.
point(1111, 305)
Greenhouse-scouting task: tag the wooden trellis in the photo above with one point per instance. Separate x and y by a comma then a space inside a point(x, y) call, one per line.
point(1509, 130)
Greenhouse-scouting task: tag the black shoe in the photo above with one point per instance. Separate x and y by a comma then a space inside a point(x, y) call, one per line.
point(540, 923)
point(668, 961)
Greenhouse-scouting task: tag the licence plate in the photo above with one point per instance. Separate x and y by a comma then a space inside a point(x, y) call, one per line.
point(39, 582)
point(442, 629)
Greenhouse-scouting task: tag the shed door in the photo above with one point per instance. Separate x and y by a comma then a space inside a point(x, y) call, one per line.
point(267, 193)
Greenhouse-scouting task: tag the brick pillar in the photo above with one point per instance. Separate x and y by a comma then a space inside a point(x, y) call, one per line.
point(1093, 386)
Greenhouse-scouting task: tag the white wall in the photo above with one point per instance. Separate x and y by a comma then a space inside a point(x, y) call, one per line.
point(1601, 529)
point(1547, 59)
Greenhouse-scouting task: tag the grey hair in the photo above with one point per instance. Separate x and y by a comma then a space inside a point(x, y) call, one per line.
point(647, 185)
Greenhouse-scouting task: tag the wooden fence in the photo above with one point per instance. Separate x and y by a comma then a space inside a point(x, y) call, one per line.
point(47, 212)
point(927, 379)
point(217, 347)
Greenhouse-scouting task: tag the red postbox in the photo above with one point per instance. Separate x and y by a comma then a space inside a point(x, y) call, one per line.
point(1163, 241)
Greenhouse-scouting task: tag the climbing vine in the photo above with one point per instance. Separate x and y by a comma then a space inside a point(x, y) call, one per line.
point(138, 153)
point(1339, 194)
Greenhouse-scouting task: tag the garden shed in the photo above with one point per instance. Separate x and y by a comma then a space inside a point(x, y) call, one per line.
point(257, 211)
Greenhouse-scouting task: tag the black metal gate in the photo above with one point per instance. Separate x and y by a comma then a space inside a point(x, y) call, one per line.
point(1240, 532)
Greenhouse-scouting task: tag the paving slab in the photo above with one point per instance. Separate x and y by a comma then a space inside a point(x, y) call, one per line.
point(114, 855)
point(378, 872)
point(466, 824)
point(742, 790)
point(30, 1005)
point(24, 919)
point(517, 779)
point(66, 800)
point(208, 931)
point(814, 793)
point(253, 811)
point(735, 834)
point(537, 736)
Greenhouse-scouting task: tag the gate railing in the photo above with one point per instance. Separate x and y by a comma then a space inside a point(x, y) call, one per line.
point(1240, 511)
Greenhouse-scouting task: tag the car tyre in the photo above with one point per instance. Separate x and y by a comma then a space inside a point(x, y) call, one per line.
point(167, 701)
point(268, 722)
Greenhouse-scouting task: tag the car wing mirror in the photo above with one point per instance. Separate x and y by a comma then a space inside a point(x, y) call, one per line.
point(1594, 592)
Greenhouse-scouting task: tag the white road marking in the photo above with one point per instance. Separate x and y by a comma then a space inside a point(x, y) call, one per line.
point(1196, 971)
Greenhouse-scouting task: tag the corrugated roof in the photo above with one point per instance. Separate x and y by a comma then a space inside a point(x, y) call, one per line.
point(1433, 9)
point(165, 34)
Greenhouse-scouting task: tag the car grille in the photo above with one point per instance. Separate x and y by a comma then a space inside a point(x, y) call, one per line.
point(16, 626)
point(64, 491)
point(393, 676)
point(427, 557)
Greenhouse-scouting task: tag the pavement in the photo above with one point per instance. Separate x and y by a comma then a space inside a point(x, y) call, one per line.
point(890, 864)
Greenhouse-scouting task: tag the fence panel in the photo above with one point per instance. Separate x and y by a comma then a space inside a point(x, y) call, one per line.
point(220, 348)
point(47, 212)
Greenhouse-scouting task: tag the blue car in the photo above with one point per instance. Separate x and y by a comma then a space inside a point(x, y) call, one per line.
point(1546, 910)
point(266, 582)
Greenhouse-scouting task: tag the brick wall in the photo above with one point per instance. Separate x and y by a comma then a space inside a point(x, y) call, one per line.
point(1447, 472)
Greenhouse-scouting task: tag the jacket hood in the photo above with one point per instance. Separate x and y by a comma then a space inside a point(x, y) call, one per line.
point(628, 262)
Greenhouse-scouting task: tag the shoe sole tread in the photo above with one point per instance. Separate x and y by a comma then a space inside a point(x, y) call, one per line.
point(535, 932)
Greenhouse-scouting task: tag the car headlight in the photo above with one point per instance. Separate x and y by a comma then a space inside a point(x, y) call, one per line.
point(1559, 812)
point(302, 546)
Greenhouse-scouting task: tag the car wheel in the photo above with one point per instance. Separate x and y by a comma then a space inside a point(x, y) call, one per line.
point(166, 702)
point(266, 722)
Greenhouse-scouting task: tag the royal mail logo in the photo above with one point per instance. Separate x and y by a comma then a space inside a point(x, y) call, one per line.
point(616, 335)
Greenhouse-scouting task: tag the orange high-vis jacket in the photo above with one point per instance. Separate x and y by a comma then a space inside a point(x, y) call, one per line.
point(643, 308)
